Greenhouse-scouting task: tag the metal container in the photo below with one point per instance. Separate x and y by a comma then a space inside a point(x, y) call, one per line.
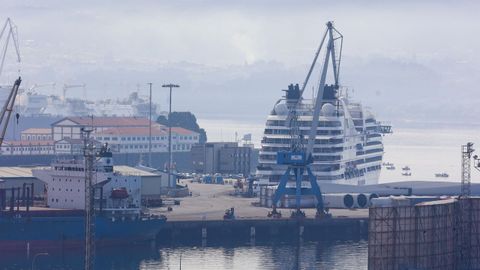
point(306, 201)
point(362, 200)
point(338, 200)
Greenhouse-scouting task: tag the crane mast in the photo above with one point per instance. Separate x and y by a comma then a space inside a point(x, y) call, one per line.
point(7, 109)
point(299, 158)
point(10, 30)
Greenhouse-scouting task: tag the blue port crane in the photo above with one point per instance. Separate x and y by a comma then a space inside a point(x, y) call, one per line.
point(299, 157)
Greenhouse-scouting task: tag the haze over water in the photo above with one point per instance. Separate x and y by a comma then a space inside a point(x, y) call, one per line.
point(425, 150)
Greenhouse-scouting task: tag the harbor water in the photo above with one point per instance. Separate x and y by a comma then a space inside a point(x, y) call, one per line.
point(295, 254)
point(426, 150)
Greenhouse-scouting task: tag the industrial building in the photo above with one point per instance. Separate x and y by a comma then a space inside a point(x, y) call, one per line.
point(224, 157)
point(153, 182)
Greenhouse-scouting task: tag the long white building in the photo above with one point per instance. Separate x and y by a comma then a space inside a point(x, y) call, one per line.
point(136, 139)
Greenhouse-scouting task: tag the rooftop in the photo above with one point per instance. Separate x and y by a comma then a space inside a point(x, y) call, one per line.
point(127, 170)
point(17, 172)
point(26, 171)
point(157, 130)
point(108, 121)
point(37, 131)
point(27, 143)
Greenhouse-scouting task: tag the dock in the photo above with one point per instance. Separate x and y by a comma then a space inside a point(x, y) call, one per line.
point(200, 217)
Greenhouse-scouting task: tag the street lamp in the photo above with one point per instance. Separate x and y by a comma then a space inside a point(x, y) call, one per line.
point(170, 129)
point(35, 258)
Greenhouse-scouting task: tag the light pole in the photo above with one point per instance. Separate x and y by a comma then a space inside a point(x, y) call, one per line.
point(35, 258)
point(170, 130)
point(150, 130)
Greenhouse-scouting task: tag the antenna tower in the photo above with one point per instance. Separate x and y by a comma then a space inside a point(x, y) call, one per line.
point(467, 151)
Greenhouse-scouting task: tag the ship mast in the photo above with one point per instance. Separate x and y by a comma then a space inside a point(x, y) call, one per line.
point(89, 156)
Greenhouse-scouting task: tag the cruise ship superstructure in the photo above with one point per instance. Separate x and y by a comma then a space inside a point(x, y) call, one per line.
point(348, 146)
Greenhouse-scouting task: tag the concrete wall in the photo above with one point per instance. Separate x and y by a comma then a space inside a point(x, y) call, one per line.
point(183, 160)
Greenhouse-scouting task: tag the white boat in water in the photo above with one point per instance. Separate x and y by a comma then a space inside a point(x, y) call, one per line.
point(390, 167)
point(444, 175)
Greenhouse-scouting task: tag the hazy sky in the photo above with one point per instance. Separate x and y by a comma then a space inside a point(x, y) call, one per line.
point(239, 54)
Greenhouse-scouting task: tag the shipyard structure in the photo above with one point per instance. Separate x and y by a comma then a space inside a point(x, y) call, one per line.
point(443, 234)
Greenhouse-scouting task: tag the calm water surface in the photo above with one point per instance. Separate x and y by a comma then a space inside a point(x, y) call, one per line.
point(267, 255)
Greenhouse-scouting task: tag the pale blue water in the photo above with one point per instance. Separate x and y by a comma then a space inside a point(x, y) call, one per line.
point(425, 150)
point(272, 255)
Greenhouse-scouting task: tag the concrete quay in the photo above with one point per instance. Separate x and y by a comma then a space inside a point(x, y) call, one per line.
point(200, 217)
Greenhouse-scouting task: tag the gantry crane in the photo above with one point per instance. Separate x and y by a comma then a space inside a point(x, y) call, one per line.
point(299, 157)
point(11, 30)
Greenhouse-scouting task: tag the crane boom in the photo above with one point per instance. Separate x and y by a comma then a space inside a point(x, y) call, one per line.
point(12, 34)
point(67, 86)
point(330, 53)
point(314, 62)
point(7, 109)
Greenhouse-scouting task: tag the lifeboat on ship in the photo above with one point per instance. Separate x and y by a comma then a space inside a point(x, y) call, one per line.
point(119, 193)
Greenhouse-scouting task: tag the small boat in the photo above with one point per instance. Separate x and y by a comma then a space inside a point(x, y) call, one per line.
point(445, 175)
point(390, 167)
point(406, 168)
point(407, 174)
point(387, 164)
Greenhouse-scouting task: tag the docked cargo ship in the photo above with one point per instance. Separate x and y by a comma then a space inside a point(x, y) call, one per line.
point(348, 146)
point(119, 217)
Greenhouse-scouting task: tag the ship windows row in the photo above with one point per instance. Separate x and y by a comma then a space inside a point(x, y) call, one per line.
point(66, 180)
point(317, 141)
point(371, 151)
point(302, 132)
point(59, 189)
point(301, 123)
point(56, 200)
point(315, 149)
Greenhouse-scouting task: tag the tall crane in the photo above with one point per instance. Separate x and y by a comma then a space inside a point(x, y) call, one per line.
point(10, 29)
point(68, 86)
point(7, 109)
point(299, 157)
point(35, 86)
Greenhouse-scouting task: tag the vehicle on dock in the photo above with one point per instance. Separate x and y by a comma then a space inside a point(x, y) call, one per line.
point(229, 213)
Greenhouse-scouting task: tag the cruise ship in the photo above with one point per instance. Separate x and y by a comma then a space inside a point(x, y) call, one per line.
point(348, 146)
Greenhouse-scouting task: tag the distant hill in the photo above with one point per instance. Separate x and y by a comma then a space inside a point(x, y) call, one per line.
point(185, 120)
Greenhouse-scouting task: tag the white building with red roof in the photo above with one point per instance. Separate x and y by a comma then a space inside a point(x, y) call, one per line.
point(27, 147)
point(136, 139)
point(36, 134)
point(70, 127)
